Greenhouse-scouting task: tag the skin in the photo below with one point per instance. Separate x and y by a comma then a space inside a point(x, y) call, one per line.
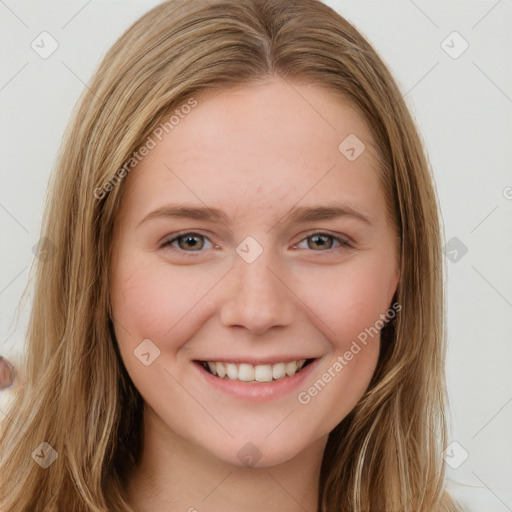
point(7, 374)
point(255, 153)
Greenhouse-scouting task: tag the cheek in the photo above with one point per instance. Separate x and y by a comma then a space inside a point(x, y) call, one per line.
point(350, 300)
point(349, 308)
point(149, 301)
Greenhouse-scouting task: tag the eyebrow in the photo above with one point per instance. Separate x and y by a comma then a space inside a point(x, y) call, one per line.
point(297, 214)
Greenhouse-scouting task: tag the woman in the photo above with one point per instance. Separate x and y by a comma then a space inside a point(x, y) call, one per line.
point(259, 370)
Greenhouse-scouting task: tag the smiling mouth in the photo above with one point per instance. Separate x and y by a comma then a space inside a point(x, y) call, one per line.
point(246, 372)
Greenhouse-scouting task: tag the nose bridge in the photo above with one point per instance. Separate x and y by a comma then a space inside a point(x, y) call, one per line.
point(258, 297)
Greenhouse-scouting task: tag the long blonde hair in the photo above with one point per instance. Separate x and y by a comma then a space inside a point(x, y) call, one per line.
point(74, 393)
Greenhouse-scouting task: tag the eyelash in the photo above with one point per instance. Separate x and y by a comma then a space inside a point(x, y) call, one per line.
point(167, 243)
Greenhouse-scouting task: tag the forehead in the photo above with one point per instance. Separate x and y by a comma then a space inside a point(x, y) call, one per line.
point(258, 147)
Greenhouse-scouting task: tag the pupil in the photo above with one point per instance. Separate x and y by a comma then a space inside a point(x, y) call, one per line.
point(190, 241)
point(318, 239)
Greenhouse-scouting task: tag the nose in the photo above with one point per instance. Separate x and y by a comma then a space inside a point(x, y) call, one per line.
point(259, 295)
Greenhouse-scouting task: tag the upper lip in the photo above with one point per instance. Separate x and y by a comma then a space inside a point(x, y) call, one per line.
point(256, 360)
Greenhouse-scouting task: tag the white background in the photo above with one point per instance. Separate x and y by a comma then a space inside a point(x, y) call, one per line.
point(463, 107)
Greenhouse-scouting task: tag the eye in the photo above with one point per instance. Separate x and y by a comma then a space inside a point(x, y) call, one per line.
point(323, 242)
point(187, 242)
point(191, 242)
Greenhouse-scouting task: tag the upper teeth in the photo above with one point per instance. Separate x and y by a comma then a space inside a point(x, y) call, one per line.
point(259, 373)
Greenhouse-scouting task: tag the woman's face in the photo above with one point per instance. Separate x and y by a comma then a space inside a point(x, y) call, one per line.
point(255, 235)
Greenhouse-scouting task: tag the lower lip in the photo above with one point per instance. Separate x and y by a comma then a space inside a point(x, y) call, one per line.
point(259, 391)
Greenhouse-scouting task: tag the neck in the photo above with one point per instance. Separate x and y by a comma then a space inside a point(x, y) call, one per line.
point(175, 475)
